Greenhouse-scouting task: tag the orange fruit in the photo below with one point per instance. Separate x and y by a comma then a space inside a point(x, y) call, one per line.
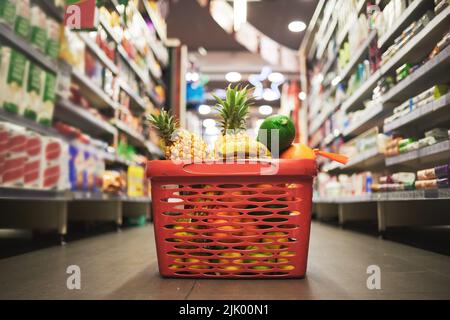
point(298, 151)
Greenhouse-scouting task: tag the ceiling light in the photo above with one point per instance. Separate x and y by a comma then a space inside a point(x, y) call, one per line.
point(297, 26)
point(240, 13)
point(233, 76)
point(204, 109)
point(302, 96)
point(209, 123)
point(276, 77)
point(265, 110)
point(270, 95)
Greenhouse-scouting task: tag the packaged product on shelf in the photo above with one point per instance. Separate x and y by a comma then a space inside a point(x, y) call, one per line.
point(438, 133)
point(13, 68)
point(93, 68)
point(77, 173)
point(13, 167)
point(38, 28)
point(136, 177)
point(3, 147)
point(8, 11)
point(442, 171)
point(45, 114)
point(89, 164)
point(23, 18)
point(33, 163)
point(53, 158)
point(426, 184)
point(426, 174)
point(99, 170)
point(33, 98)
point(112, 182)
point(441, 45)
point(53, 38)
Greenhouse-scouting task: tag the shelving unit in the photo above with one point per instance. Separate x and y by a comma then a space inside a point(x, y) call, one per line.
point(50, 209)
point(431, 71)
point(8, 35)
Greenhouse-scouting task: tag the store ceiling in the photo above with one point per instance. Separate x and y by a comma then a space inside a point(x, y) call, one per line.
point(194, 26)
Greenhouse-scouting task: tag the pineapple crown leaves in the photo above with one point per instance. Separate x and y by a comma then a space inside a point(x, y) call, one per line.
point(165, 123)
point(233, 112)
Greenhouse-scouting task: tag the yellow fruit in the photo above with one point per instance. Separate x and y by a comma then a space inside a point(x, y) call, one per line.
point(287, 267)
point(230, 254)
point(230, 268)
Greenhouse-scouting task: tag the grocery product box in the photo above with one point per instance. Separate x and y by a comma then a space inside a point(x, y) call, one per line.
point(135, 177)
point(8, 11)
point(23, 18)
point(45, 113)
point(38, 28)
point(53, 166)
point(13, 69)
point(33, 162)
point(53, 38)
point(34, 87)
point(14, 154)
point(81, 14)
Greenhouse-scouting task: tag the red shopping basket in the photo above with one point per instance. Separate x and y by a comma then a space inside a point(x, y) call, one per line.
point(238, 220)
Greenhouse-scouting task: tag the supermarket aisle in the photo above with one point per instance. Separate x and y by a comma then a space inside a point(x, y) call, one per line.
point(123, 266)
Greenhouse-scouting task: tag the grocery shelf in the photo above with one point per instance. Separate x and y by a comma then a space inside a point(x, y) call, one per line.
point(405, 19)
point(12, 193)
point(430, 194)
point(135, 137)
point(321, 118)
point(132, 65)
point(93, 92)
point(50, 8)
point(136, 199)
point(357, 57)
point(94, 196)
point(108, 30)
point(104, 59)
point(27, 123)
point(49, 131)
point(160, 30)
point(431, 113)
point(364, 92)
point(365, 160)
point(26, 48)
point(437, 69)
point(422, 42)
point(431, 154)
point(134, 96)
point(68, 112)
point(327, 37)
point(372, 118)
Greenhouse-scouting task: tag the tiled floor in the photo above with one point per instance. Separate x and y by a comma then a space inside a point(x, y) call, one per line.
point(123, 266)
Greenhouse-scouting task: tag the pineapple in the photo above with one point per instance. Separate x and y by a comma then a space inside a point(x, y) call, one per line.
point(179, 144)
point(235, 143)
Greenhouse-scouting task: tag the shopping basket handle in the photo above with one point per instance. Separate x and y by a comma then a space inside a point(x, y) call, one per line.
point(212, 168)
point(332, 156)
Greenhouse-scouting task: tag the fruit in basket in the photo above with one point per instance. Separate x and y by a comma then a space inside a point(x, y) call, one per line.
point(286, 132)
point(235, 143)
point(298, 151)
point(179, 144)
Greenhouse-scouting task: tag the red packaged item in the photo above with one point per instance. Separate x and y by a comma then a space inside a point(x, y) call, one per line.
point(33, 162)
point(51, 163)
point(14, 155)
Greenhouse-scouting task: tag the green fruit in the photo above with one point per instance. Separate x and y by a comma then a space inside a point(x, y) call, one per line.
point(286, 131)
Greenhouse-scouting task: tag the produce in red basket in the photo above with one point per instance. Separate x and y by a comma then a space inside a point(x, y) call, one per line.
point(235, 143)
point(285, 128)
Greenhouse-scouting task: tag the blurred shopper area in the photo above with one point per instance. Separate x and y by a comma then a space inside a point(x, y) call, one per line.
point(97, 96)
